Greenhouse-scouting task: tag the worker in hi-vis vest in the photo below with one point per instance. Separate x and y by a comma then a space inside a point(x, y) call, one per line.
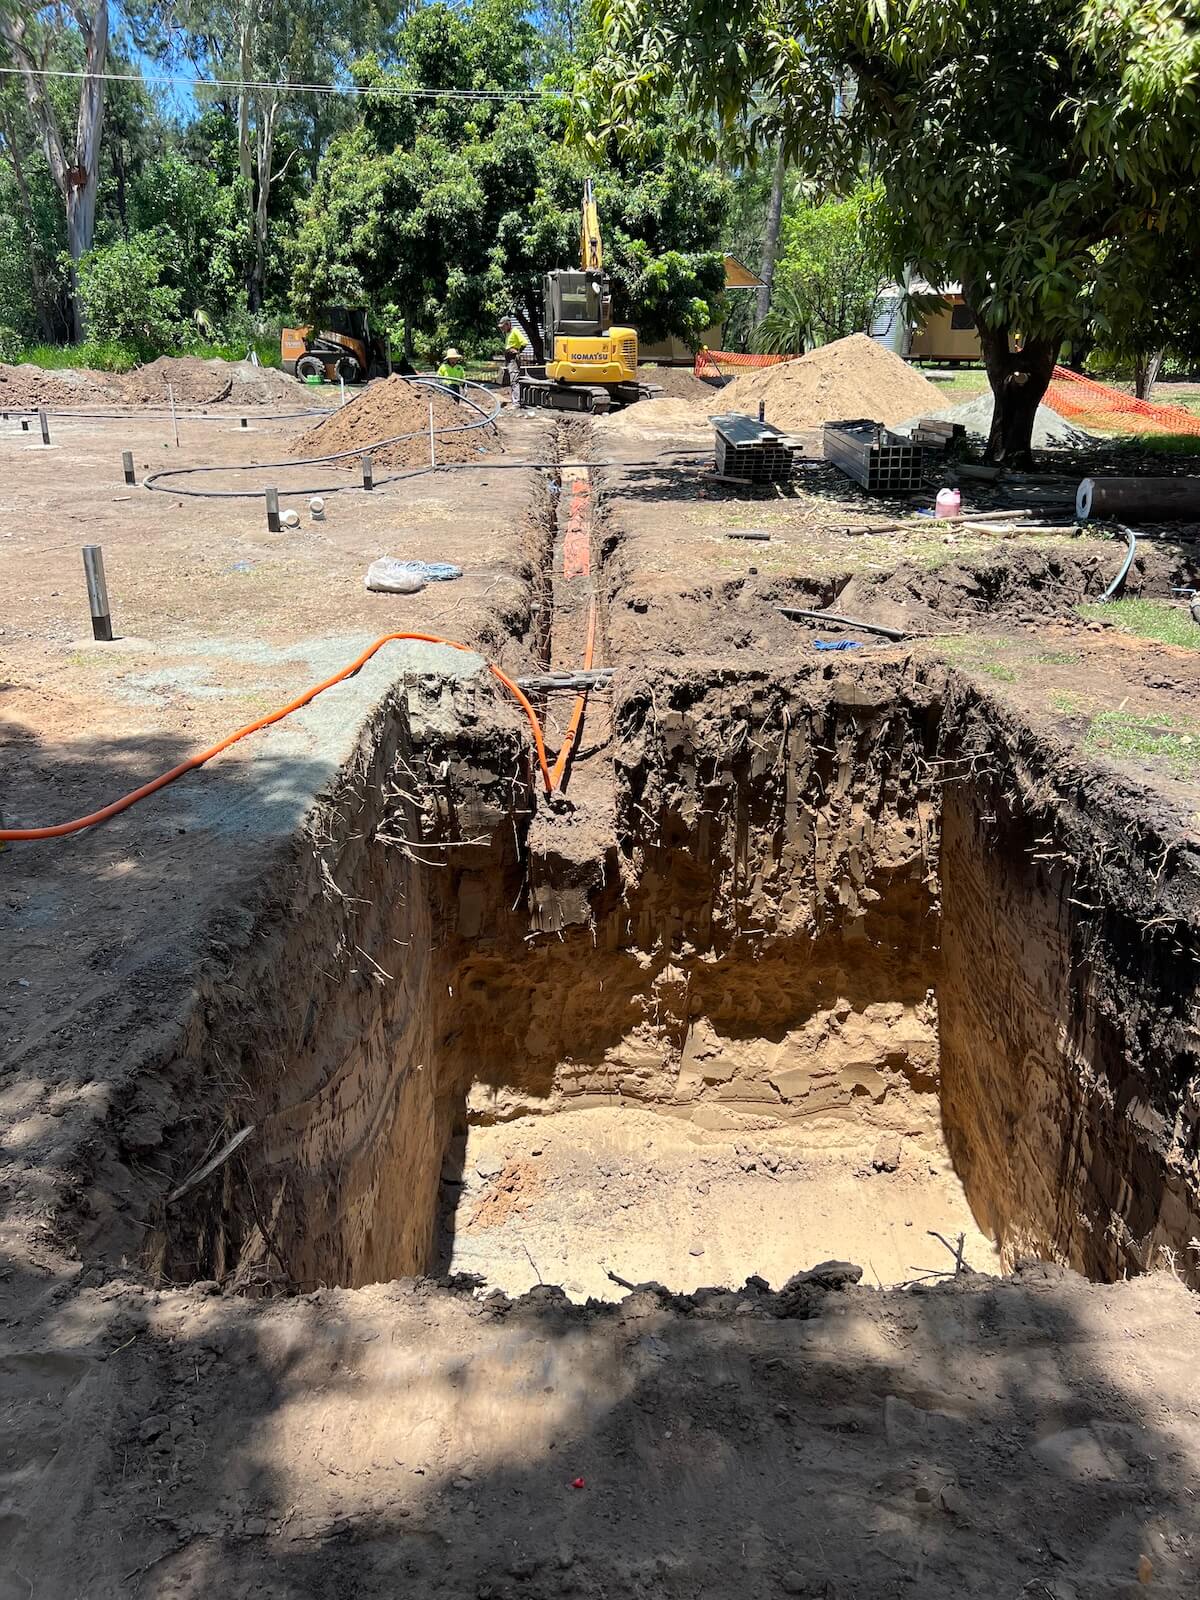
point(514, 348)
point(452, 372)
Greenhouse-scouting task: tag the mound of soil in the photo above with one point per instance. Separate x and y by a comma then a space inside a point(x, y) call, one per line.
point(392, 407)
point(265, 386)
point(852, 377)
point(1049, 429)
point(194, 382)
point(28, 385)
point(666, 416)
point(679, 383)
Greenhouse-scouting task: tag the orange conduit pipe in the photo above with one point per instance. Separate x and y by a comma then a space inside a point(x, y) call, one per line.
point(572, 733)
point(61, 829)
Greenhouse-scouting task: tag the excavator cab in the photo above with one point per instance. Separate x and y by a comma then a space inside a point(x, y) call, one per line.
point(578, 305)
point(339, 344)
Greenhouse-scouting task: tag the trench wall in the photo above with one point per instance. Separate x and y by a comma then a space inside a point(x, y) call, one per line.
point(328, 1040)
point(1068, 1004)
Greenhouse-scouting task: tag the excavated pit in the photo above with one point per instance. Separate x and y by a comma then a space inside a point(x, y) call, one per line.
point(861, 962)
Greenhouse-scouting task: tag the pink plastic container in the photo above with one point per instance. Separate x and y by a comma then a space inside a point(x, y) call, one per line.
point(949, 504)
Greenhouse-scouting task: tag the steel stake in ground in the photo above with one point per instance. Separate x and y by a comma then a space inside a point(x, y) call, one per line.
point(368, 473)
point(45, 425)
point(272, 498)
point(93, 566)
point(127, 466)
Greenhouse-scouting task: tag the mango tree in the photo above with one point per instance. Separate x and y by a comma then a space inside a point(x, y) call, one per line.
point(975, 117)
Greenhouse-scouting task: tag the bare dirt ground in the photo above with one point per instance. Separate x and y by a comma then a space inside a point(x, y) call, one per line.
point(1035, 1436)
point(570, 1198)
point(681, 579)
point(1029, 1435)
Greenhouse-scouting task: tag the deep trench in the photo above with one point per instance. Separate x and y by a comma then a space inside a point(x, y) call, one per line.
point(836, 907)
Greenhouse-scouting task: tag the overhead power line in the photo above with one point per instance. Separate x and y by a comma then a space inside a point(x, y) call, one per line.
point(387, 91)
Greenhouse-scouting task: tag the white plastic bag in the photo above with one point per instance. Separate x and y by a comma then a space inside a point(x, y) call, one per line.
point(391, 576)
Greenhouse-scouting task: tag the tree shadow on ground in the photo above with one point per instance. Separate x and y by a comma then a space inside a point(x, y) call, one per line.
point(1023, 1437)
point(108, 936)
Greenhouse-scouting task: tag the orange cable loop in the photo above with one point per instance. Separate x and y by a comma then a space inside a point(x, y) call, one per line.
point(59, 830)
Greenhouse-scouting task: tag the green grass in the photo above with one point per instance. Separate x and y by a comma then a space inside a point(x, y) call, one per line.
point(104, 355)
point(110, 355)
point(1168, 444)
point(1128, 736)
point(1170, 622)
point(266, 349)
point(978, 656)
point(963, 385)
point(1056, 658)
point(1066, 703)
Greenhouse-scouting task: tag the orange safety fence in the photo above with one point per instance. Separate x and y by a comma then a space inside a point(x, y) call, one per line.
point(717, 363)
point(1096, 405)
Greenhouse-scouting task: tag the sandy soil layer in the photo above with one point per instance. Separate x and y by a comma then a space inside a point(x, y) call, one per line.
point(570, 1198)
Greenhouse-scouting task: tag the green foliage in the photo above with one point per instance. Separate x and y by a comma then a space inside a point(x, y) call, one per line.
point(126, 298)
point(196, 216)
point(828, 277)
point(1012, 149)
point(17, 307)
point(12, 345)
point(32, 236)
point(452, 211)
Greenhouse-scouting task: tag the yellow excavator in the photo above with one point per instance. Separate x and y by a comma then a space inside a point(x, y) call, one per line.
point(590, 365)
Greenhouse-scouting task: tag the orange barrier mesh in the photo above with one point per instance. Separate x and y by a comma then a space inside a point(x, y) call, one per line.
point(716, 363)
point(1096, 405)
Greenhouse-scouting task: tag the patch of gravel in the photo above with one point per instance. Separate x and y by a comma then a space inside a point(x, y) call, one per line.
point(1049, 429)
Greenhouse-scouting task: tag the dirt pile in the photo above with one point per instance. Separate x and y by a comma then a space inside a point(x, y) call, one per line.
point(679, 383)
point(391, 408)
point(660, 418)
point(267, 386)
point(193, 382)
point(852, 377)
point(28, 385)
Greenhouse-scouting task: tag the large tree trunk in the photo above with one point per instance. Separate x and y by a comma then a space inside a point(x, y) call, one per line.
point(1019, 379)
point(771, 238)
point(245, 57)
point(75, 168)
point(265, 131)
point(1145, 373)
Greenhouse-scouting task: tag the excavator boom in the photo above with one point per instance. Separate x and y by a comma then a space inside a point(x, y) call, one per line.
point(591, 247)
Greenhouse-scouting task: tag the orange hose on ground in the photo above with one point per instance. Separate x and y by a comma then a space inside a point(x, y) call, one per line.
point(62, 828)
point(572, 733)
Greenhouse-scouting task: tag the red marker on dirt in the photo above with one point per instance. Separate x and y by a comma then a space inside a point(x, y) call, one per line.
point(577, 1483)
